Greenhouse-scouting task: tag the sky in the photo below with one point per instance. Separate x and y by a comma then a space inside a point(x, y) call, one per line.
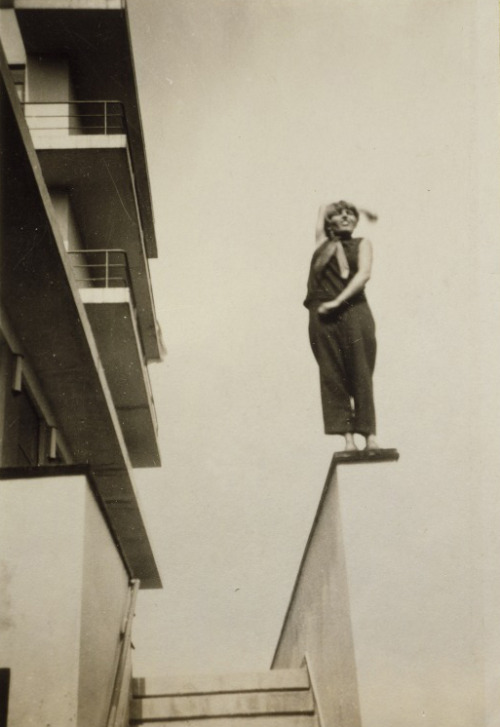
point(255, 112)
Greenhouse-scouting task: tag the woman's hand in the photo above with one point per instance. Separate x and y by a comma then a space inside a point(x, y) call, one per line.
point(327, 307)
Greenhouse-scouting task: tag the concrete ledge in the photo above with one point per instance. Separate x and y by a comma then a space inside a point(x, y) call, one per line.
point(69, 4)
point(252, 704)
point(105, 295)
point(47, 140)
point(262, 720)
point(365, 455)
point(277, 680)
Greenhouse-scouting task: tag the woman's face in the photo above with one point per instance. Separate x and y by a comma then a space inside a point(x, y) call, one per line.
point(341, 221)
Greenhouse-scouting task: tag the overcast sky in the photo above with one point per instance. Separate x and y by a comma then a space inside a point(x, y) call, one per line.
point(255, 112)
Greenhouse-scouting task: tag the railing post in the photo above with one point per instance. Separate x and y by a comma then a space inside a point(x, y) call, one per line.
point(105, 117)
point(106, 270)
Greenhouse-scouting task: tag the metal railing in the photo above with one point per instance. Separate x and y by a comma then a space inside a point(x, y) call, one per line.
point(120, 697)
point(101, 268)
point(76, 117)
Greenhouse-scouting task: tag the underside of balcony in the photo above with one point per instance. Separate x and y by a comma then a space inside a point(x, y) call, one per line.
point(112, 319)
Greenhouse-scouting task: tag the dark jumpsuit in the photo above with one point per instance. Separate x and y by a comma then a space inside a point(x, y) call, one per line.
point(344, 345)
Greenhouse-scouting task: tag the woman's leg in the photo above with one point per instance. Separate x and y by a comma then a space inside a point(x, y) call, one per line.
point(371, 442)
point(360, 366)
point(350, 444)
point(326, 336)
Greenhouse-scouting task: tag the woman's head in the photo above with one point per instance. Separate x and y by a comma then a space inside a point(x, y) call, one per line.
point(340, 218)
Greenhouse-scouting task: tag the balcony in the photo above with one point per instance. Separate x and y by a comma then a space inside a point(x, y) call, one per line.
point(96, 37)
point(83, 148)
point(43, 311)
point(104, 279)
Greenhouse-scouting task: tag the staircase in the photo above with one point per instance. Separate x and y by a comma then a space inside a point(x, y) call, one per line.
point(278, 698)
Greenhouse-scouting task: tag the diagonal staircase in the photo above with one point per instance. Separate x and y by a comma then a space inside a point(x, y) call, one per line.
point(278, 698)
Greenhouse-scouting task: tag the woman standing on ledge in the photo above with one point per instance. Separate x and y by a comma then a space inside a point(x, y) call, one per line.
point(341, 326)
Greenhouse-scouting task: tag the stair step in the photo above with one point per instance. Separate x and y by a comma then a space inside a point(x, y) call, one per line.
point(247, 704)
point(261, 721)
point(274, 680)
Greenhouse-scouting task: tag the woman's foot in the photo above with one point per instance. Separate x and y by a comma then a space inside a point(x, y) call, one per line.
point(350, 444)
point(371, 442)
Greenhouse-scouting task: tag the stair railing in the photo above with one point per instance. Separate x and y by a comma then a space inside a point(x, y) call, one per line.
point(306, 663)
point(120, 697)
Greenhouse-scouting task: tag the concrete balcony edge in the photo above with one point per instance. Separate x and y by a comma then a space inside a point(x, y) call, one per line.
point(112, 317)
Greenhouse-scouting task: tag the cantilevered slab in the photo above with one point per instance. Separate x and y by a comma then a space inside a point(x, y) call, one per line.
point(112, 317)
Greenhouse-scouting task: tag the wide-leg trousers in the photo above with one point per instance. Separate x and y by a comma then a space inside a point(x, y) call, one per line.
point(344, 345)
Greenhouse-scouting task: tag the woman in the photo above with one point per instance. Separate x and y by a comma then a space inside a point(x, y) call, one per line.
point(341, 326)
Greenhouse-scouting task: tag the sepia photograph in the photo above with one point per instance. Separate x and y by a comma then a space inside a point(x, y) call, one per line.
point(249, 355)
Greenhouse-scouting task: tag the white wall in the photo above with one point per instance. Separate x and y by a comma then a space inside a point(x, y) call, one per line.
point(486, 185)
point(48, 79)
point(66, 219)
point(104, 601)
point(48, 89)
point(318, 624)
point(41, 556)
point(63, 595)
point(415, 618)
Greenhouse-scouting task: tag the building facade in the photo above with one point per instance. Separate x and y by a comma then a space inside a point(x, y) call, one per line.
point(78, 330)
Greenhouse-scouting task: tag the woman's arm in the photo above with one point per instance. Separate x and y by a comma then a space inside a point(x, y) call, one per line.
point(358, 282)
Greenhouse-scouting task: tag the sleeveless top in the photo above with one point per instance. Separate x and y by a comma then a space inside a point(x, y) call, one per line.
point(326, 283)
